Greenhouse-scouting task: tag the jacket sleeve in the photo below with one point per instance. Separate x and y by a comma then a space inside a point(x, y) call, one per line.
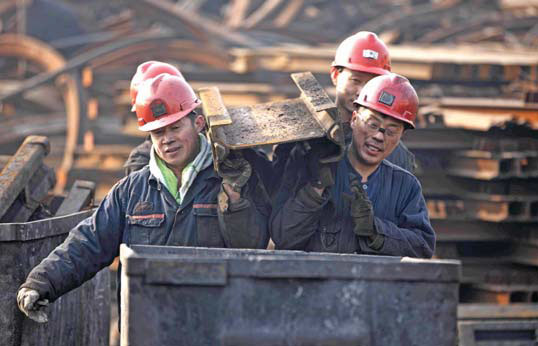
point(297, 220)
point(413, 236)
point(244, 224)
point(90, 246)
point(297, 207)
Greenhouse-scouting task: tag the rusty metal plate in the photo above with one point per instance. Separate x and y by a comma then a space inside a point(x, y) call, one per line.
point(313, 115)
point(271, 123)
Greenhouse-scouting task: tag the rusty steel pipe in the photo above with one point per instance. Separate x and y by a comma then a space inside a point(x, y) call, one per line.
point(20, 168)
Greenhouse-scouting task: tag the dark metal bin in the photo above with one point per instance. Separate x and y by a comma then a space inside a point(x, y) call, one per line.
point(198, 296)
point(80, 317)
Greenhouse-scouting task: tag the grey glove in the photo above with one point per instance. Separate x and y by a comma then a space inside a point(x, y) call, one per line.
point(235, 171)
point(361, 211)
point(30, 304)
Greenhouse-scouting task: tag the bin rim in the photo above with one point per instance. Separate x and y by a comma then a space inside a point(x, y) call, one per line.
point(292, 264)
point(38, 229)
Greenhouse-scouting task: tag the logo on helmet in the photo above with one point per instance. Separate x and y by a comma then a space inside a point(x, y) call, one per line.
point(370, 54)
point(158, 109)
point(387, 98)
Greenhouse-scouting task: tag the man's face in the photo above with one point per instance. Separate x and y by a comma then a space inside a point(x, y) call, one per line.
point(374, 135)
point(348, 85)
point(177, 143)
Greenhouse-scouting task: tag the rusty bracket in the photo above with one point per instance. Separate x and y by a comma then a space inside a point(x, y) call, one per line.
point(323, 109)
point(216, 116)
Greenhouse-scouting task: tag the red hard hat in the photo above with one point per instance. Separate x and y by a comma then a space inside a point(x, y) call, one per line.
point(392, 95)
point(147, 70)
point(363, 52)
point(163, 100)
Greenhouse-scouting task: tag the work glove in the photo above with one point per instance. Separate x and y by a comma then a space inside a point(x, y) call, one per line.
point(361, 211)
point(30, 304)
point(317, 151)
point(235, 171)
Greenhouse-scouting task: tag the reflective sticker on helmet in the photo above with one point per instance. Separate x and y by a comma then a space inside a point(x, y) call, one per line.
point(158, 109)
point(387, 98)
point(370, 54)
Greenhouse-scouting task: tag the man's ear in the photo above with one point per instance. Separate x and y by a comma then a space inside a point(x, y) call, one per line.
point(199, 123)
point(334, 74)
point(353, 120)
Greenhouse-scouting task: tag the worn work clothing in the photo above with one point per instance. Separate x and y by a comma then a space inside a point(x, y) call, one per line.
point(139, 157)
point(140, 210)
point(306, 221)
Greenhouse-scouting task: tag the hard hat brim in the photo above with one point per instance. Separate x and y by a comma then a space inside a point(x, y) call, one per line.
point(168, 119)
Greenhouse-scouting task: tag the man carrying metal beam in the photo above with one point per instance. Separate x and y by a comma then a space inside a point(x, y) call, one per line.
point(178, 199)
point(363, 203)
point(358, 59)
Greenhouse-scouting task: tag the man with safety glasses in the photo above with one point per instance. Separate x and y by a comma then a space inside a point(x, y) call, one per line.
point(365, 204)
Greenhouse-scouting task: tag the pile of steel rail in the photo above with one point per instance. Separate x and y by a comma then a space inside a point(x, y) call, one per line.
point(26, 184)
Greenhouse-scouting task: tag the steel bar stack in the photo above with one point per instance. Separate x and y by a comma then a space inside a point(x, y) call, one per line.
point(481, 189)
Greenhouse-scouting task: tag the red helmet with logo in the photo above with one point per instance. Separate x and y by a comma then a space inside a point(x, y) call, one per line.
point(392, 95)
point(363, 52)
point(163, 100)
point(147, 70)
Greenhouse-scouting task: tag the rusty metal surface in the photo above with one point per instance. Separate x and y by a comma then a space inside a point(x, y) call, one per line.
point(495, 210)
point(30, 198)
point(271, 123)
point(496, 311)
point(80, 195)
point(20, 168)
point(486, 165)
point(310, 116)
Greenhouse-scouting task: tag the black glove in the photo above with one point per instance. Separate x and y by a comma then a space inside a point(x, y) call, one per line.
point(361, 211)
point(235, 171)
point(321, 172)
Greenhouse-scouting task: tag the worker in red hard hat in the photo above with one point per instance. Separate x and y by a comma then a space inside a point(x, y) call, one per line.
point(177, 199)
point(139, 156)
point(365, 204)
point(148, 70)
point(358, 59)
